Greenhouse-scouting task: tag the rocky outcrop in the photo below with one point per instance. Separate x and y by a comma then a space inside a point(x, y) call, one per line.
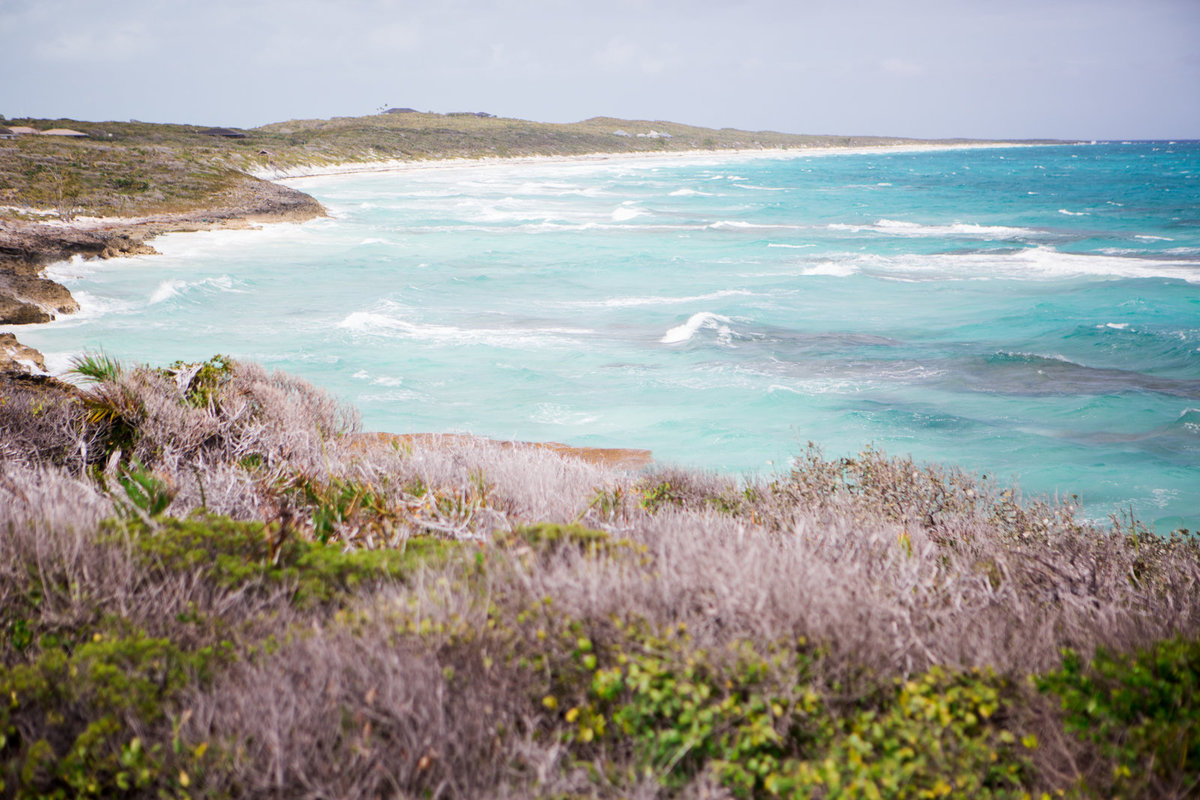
point(16, 357)
point(614, 457)
point(27, 247)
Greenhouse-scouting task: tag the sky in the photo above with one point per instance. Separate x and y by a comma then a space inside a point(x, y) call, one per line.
point(1094, 69)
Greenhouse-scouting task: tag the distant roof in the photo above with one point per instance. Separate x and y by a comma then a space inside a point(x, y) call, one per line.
point(64, 132)
point(228, 133)
point(401, 111)
point(23, 129)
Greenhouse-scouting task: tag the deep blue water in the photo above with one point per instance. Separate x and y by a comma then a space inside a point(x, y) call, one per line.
point(1029, 312)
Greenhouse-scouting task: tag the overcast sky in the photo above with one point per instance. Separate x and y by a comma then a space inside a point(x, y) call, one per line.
point(1092, 69)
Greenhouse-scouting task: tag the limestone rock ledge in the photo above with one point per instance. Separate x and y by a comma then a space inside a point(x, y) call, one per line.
point(16, 357)
point(612, 457)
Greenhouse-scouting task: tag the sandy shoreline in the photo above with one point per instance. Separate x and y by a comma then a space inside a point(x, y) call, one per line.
point(405, 165)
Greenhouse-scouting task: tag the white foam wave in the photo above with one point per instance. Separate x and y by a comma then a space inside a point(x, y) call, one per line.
point(790, 246)
point(59, 363)
point(72, 269)
point(167, 290)
point(690, 193)
point(382, 380)
point(832, 269)
point(555, 414)
point(1155, 238)
point(92, 306)
point(372, 323)
point(174, 287)
point(626, 212)
point(738, 225)
point(657, 300)
point(1033, 263)
point(554, 227)
point(1073, 213)
point(696, 323)
point(1119, 326)
point(893, 227)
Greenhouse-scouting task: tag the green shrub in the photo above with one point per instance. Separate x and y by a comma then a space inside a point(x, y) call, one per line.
point(756, 721)
point(236, 554)
point(96, 367)
point(551, 536)
point(1142, 710)
point(940, 734)
point(144, 491)
point(199, 381)
point(338, 502)
point(70, 723)
point(661, 495)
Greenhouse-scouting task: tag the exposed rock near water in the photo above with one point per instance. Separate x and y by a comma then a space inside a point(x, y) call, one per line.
point(612, 457)
point(26, 248)
point(16, 357)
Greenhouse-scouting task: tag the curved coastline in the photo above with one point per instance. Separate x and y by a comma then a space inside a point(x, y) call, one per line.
point(28, 248)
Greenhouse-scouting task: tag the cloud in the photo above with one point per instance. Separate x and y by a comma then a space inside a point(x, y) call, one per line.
point(622, 55)
point(902, 67)
point(93, 46)
point(395, 36)
point(618, 54)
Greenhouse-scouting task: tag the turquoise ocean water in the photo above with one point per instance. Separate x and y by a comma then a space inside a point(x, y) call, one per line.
point(1028, 312)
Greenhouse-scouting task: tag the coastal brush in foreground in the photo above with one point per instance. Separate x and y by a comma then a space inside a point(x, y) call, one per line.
point(211, 587)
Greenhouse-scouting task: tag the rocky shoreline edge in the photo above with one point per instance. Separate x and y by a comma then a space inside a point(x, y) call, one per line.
point(28, 247)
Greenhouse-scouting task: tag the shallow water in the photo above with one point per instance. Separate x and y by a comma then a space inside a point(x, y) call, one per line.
point(1033, 313)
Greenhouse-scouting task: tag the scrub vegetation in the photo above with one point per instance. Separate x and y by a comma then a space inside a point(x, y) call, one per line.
point(137, 168)
point(211, 585)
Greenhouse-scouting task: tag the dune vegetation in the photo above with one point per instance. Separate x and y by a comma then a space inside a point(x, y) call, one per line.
point(213, 585)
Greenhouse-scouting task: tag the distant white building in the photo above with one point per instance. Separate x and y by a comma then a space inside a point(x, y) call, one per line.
point(65, 132)
point(654, 135)
point(21, 130)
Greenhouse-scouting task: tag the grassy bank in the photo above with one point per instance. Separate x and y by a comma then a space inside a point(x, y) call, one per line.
point(212, 585)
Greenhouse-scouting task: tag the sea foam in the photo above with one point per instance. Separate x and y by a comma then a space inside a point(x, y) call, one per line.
point(696, 323)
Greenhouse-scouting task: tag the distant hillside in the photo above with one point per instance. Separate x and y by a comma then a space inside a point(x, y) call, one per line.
point(137, 168)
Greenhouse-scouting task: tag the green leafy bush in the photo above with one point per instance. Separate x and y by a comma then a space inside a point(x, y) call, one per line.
point(71, 719)
point(144, 491)
point(940, 734)
point(199, 381)
point(245, 554)
point(1142, 710)
point(337, 502)
point(757, 722)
